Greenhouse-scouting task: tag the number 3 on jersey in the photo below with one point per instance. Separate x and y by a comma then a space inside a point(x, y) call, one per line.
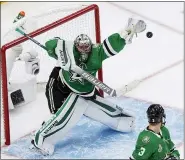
point(142, 151)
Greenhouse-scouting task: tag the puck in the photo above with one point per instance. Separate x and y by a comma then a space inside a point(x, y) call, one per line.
point(149, 34)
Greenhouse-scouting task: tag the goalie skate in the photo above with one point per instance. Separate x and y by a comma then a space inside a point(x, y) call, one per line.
point(46, 149)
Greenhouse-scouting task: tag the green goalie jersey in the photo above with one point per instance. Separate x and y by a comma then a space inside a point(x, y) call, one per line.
point(152, 146)
point(110, 46)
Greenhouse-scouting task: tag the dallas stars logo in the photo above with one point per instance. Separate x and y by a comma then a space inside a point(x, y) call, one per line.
point(75, 77)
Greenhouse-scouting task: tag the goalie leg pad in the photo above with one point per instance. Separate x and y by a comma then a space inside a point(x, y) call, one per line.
point(110, 114)
point(61, 122)
point(126, 124)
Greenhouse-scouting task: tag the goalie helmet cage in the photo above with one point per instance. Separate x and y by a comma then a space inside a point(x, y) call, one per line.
point(71, 17)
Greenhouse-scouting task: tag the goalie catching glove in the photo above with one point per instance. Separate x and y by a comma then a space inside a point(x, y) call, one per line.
point(132, 28)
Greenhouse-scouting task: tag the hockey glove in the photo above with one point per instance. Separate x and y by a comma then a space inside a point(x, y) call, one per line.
point(33, 67)
point(32, 63)
point(133, 27)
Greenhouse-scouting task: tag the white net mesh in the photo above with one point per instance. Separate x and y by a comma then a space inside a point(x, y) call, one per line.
point(68, 31)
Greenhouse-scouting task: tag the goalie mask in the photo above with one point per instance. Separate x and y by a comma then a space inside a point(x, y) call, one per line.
point(83, 44)
point(155, 114)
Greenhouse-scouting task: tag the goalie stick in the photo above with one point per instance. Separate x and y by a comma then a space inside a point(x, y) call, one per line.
point(30, 38)
point(110, 91)
point(78, 70)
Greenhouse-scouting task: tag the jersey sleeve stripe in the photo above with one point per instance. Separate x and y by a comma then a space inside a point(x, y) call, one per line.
point(105, 50)
point(108, 48)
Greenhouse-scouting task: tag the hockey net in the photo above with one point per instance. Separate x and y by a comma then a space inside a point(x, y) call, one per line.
point(66, 22)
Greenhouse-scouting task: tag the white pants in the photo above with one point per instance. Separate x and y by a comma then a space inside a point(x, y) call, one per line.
point(72, 110)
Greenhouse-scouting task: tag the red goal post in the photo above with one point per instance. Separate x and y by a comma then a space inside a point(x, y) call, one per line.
point(35, 33)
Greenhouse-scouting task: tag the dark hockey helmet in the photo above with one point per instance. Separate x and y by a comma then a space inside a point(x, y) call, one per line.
point(83, 44)
point(156, 114)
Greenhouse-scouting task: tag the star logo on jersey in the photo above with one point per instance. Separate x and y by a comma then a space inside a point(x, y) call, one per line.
point(146, 139)
point(75, 77)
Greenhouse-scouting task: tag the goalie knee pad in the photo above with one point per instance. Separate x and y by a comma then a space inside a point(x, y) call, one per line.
point(110, 114)
point(126, 124)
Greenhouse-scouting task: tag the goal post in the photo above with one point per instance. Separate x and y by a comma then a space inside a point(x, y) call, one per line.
point(45, 31)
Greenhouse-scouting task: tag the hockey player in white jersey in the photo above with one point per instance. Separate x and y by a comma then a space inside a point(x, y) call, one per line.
point(18, 90)
point(18, 52)
point(70, 96)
